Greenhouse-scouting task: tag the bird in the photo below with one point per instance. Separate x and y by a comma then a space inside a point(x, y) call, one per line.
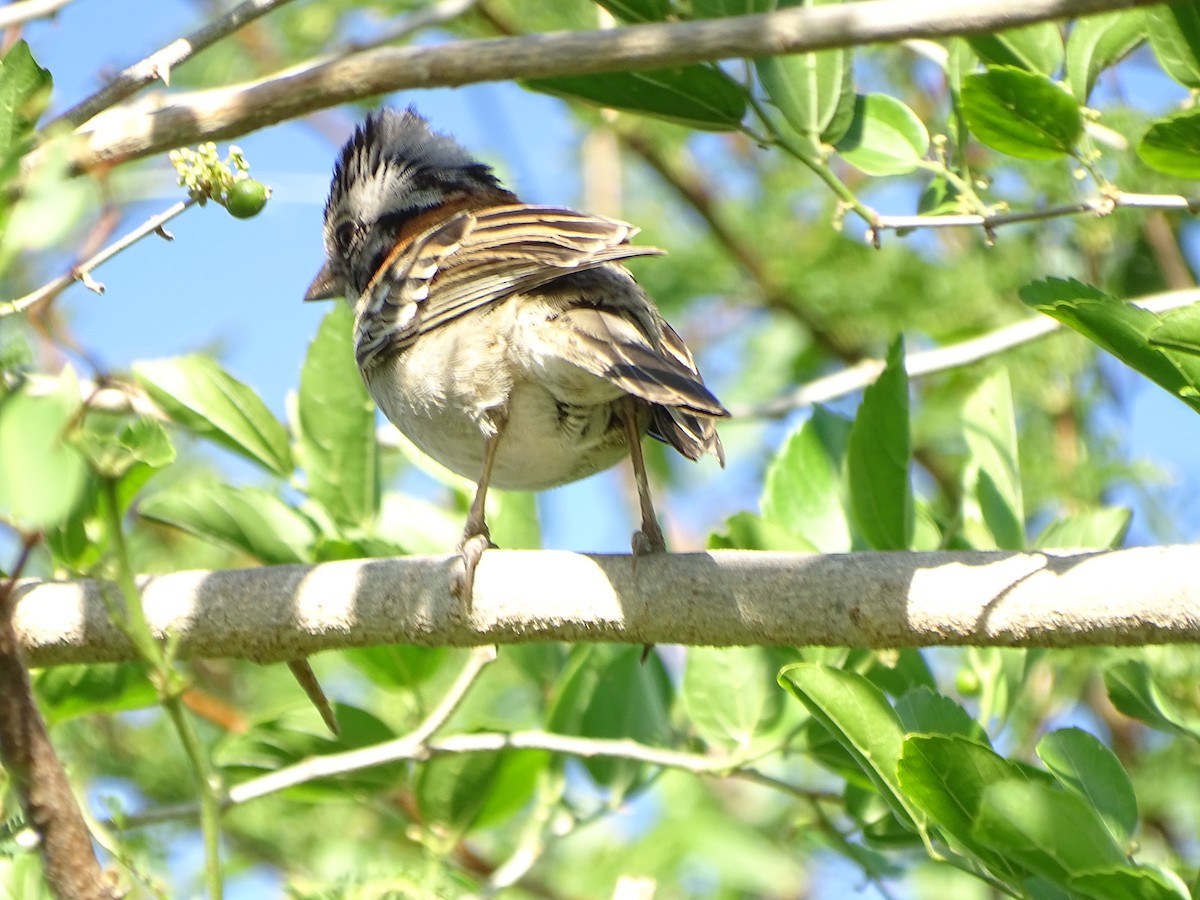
point(506, 340)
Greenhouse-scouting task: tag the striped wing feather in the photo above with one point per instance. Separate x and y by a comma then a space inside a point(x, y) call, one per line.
point(479, 258)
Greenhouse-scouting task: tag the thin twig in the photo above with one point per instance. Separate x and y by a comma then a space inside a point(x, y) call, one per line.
point(1100, 206)
point(407, 747)
point(416, 748)
point(926, 362)
point(26, 10)
point(157, 66)
point(409, 24)
point(82, 272)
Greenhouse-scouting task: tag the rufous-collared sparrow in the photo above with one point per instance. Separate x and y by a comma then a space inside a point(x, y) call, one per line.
point(506, 340)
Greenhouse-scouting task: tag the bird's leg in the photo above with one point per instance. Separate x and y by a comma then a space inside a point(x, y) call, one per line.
point(476, 537)
point(650, 538)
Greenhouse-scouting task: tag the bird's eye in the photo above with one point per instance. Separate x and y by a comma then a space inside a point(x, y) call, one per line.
point(344, 235)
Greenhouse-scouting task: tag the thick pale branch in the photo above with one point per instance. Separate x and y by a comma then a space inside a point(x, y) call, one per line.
point(172, 120)
point(1127, 597)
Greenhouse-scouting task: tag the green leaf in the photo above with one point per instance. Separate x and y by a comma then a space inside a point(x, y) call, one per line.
point(249, 520)
point(637, 10)
point(717, 9)
point(1133, 691)
point(1174, 32)
point(513, 519)
point(858, 716)
point(878, 458)
point(64, 692)
point(1035, 48)
point(813, 91)
point(202, 397)
point(1021, 113)
point(300, 734)
point(1122, 329)
point(731, 694)
point(1100, 41)
point(41, 472)
point(113, 454)
point(895, 672)
point(992, 474)
point(335, 425)
point(607, 692)
point(885, 137)
point(697, 96)
point(1097, 529)
point(746, 531)
point(1129, 883)
point(468, 790)
point(1088, 768)
point(397, 666)
point(1169, 145)
point(1179, 330)
point(24, 94)
point(924, 710)
point(947, 777)
point(803, 490)
point(1052, 833)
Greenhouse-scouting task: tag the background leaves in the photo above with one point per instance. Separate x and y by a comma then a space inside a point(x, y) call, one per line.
point(721, 773)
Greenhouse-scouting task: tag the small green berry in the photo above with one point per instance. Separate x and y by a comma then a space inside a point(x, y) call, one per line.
point(967, 682)
point(246, 198)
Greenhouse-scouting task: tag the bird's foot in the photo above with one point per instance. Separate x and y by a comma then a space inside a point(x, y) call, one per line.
point(470, 551)
point(649, 540)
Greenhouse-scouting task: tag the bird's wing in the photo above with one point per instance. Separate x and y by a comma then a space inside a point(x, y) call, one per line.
point(612, 343)
point(476, 258)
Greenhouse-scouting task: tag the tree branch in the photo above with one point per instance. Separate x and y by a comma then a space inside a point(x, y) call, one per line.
point(37, 776)
point(1128, 597)
point(940, 359)
point(157, 66)
point(1102, 205)
point(167, 121)
point(25, 10)
point(82, 271)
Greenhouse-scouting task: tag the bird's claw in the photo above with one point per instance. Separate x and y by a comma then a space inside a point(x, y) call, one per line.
point(470, 551)
point(648, 540)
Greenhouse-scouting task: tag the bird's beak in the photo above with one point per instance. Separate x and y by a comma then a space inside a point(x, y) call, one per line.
point(322, 287)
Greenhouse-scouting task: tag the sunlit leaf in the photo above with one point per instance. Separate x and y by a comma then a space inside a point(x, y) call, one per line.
point(1035, 48)
point(878, 459)
point(41, 472)
point(858, 716)
point(336, 425)
point(1021, 113)
point(1091, 770)
point(1170, 145)
point(884, 137)
point(1174, 32)
point(1098, 42)
point(201, 396)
